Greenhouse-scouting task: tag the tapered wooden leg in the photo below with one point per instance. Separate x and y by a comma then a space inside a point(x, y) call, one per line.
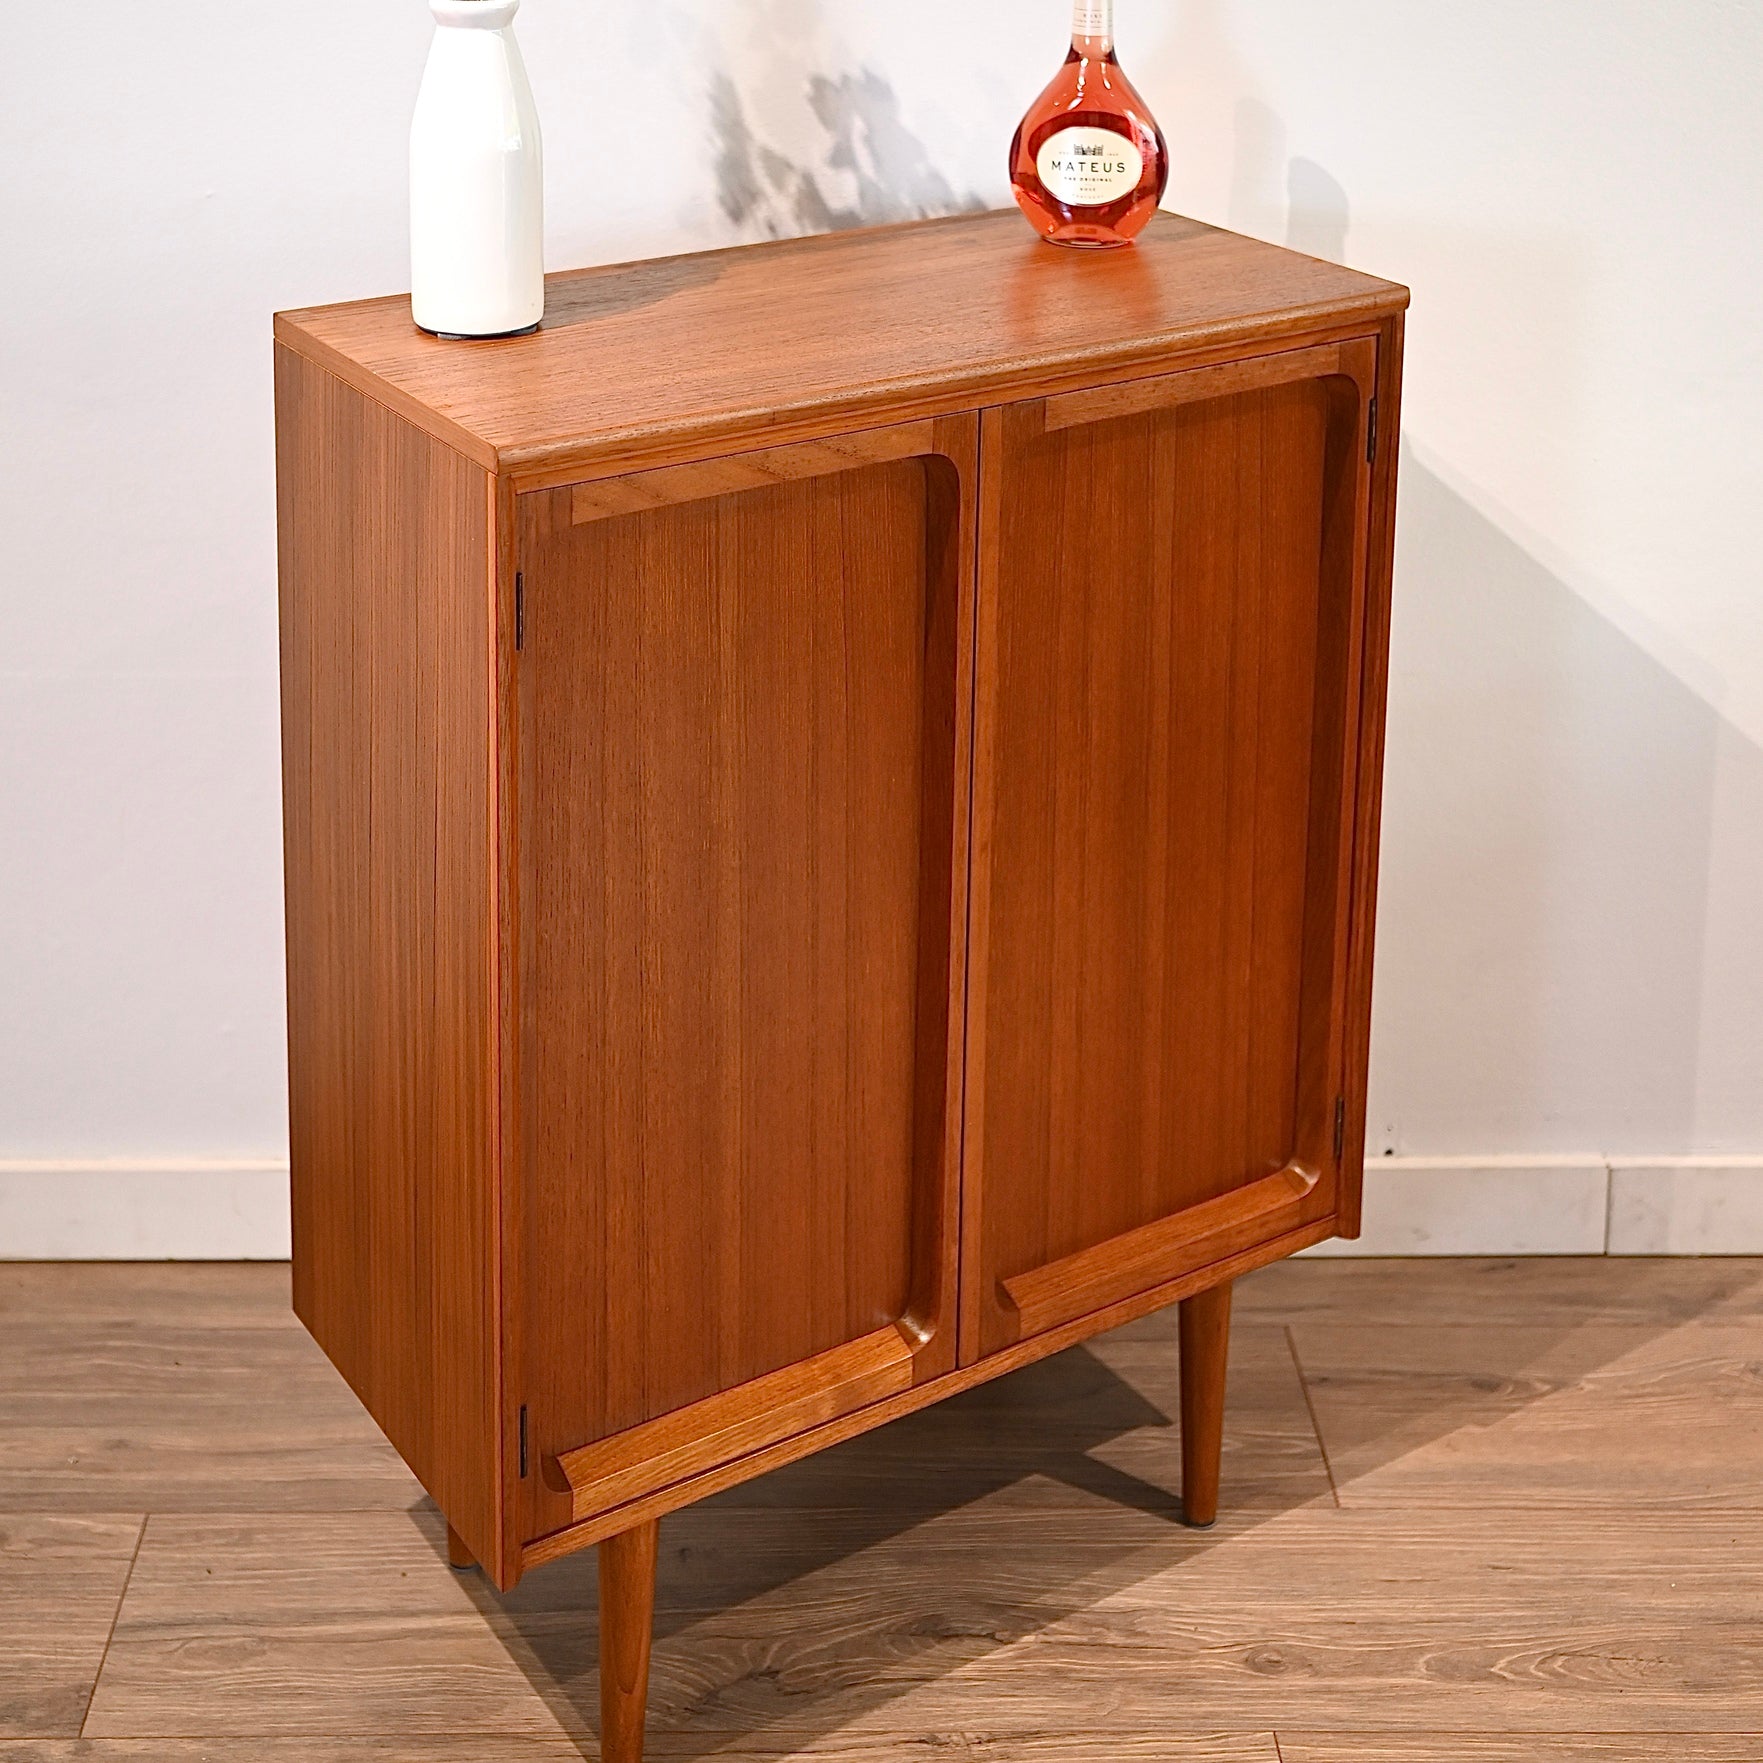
point(458, 1555)
point(1205, 1342)
point(627, 1618)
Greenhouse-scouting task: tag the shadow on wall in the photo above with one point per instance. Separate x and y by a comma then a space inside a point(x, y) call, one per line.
point(1316, 214)
point(879, 168)
point(1549, 947)
point(1268, 191)
point(1555, 928)
point(1549, 816)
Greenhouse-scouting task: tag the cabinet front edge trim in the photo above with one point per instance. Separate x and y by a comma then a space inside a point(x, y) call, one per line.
point(548, 464)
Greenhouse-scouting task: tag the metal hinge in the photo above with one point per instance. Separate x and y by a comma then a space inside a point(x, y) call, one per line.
point(523, 1441)
point(520, 643)
point(1371, 430)
point(1340, 1133)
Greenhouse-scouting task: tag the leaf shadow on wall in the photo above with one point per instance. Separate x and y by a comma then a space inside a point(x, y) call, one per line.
point(873, 168)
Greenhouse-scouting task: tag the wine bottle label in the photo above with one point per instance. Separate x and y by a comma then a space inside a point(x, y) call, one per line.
point(1089, 167)
point(1092, 18)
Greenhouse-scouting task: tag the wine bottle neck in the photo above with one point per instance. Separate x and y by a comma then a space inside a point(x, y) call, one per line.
point(1092, 26)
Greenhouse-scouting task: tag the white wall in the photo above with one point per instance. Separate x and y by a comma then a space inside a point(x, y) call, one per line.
point(1571, 972)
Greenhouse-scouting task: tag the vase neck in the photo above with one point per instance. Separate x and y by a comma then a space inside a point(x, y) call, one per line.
point(475, 15)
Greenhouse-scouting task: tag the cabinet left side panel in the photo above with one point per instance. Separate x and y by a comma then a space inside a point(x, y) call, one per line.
point(387, 583)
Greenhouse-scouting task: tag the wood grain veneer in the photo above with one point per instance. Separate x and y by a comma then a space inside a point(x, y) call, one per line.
point(1192, 1238)
point(878, 1413)
point(724, 1428)
point(741, 797)
point(627, 1619)
point(831, 806)
point(824, 333)
point(459, 1554)
point(1171, 584)
point(1205, 1348)
point(387, 756)
point(1380, 548)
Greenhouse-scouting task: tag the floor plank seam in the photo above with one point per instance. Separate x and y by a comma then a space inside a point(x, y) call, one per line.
point(1310, 1409)
point(115, 1618)
point(1514, 1478)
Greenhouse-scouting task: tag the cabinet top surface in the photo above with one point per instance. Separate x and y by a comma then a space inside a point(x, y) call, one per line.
point(777, 338)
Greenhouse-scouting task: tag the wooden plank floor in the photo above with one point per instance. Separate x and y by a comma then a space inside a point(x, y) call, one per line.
point(1484, 1512)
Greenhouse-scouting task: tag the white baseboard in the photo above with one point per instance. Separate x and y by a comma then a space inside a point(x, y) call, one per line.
point(1481, 1206)
point(197, 1209)
point(1559, 1205)
point(1687, 1206)
point(144, 1209)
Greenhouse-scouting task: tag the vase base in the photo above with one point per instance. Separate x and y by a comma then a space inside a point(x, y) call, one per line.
point(526, 330)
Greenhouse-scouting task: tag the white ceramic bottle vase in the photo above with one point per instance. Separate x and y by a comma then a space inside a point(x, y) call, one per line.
point(477, 216)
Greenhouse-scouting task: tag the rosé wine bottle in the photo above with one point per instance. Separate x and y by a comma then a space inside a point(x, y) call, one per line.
point(1088, 164)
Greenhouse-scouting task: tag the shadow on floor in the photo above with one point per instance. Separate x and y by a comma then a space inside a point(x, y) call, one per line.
point(783, 1552)
point(812, 1597)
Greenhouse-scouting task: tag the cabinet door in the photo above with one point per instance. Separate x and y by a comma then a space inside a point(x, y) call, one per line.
point(1171, 586)
point(744, 688)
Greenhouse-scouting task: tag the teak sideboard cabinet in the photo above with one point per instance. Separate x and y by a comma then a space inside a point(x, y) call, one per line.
point(831, 809)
